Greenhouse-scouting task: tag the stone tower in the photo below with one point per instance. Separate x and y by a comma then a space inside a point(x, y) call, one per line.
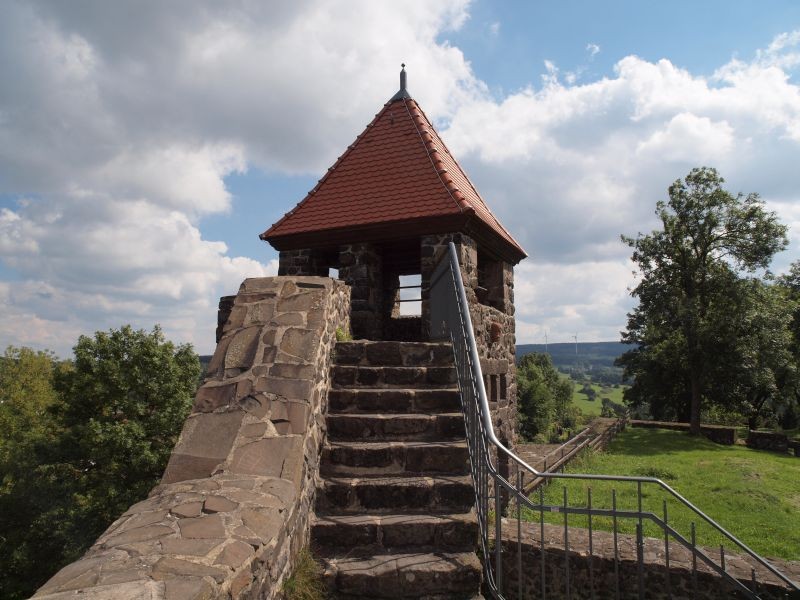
point(386, 208)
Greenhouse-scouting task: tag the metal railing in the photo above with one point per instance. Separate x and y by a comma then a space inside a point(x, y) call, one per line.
point(499, 478)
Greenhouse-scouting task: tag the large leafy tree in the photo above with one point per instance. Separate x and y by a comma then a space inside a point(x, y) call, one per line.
point(27, 425)
point(690, 269)
point(107, 422)
point(124, 403)
point(765, 372)
point(790, 284)
point(544, 396)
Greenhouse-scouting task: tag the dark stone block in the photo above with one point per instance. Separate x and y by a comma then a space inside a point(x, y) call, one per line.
point(384, 353)
point(348, 353)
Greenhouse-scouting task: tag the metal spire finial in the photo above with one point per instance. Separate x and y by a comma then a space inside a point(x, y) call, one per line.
point(403, 92)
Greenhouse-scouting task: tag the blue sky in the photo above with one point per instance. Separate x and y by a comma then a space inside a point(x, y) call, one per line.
point(143, 151)
point(507, 44)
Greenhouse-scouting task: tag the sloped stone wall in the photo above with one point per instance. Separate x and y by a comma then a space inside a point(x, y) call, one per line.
point(234, 504)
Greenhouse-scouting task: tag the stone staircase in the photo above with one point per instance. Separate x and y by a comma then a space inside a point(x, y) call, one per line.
point(394, 513)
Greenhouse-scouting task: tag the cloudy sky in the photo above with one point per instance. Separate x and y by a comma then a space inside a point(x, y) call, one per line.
point(145, 145)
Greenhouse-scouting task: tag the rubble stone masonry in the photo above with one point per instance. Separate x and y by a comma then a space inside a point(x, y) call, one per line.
point(232, 509)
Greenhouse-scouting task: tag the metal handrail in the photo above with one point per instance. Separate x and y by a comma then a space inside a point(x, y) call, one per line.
point(453, 317)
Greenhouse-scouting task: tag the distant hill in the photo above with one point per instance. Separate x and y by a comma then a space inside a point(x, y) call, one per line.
point(591, 356)
point(594, 360)
point(598, 354)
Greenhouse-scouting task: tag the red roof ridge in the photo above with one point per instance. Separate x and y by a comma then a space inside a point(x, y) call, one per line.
point(419, 121)
point(422, 122)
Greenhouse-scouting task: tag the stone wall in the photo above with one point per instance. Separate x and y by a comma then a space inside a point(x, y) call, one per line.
point(233, 507)
point(361, 267)
point(710, 585)
point(718, 434)
point(303, 262)
point(768, 440)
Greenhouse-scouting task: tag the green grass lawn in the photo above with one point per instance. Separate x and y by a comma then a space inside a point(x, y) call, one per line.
point(592, 407)
point(753, 494)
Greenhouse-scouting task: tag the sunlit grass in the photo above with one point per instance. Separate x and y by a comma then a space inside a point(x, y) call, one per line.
point(592, 407)
point(754, 494)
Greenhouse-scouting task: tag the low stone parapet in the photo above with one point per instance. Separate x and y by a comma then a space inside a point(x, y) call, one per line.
point(718, 434)
point(768, 440)
point(710, 585)
point(234, 504)
point(794, 446)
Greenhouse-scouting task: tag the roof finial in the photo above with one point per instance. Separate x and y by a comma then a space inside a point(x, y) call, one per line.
point(403, 92)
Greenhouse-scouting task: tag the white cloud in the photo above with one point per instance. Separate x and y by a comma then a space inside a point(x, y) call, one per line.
point(688, 138)
point(586, 162)
point(118, 129)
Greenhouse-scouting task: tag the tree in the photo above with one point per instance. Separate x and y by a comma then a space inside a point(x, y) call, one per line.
point(544, 396)
point(123, 406)
point(765, 372)
point(107, 423)
point(790, 284)
point(27, 425)
point(26, 395)
point(708, 238)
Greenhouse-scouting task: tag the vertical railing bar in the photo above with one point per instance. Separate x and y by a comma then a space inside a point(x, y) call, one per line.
point(639, 496)
point(666, 552)
point(566, 544)
point(722, 556)
point(541, 539)
point(591, 548)
point(753, 581)
point(640, 561)
point(498, 540)
point(694, 561)
point(640, 541)
point(616, 548)
point(519, 533)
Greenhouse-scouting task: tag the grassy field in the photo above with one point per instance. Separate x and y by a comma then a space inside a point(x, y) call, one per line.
point(753, 494)
point(592, 407)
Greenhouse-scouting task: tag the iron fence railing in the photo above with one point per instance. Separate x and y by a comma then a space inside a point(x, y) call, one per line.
point(499, 477)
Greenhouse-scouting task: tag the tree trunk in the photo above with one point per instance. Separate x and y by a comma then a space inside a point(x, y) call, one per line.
point(752, 421)
point(694, 417)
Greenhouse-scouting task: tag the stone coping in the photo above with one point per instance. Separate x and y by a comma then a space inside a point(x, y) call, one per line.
point(654, 552)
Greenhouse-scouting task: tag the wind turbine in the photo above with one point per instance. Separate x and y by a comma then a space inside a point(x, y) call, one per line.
point(545, 341)
point(575, 337)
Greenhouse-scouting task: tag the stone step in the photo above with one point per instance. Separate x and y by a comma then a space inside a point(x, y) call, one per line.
point(383, 495)
point(349, 400)
point(396, 427)
point(393, 354)
point(374, 534)
point(393, 377)
point(364, 459)
point(427, 576)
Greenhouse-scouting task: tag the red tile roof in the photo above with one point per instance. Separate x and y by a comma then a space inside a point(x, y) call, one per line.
point(397, 170)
